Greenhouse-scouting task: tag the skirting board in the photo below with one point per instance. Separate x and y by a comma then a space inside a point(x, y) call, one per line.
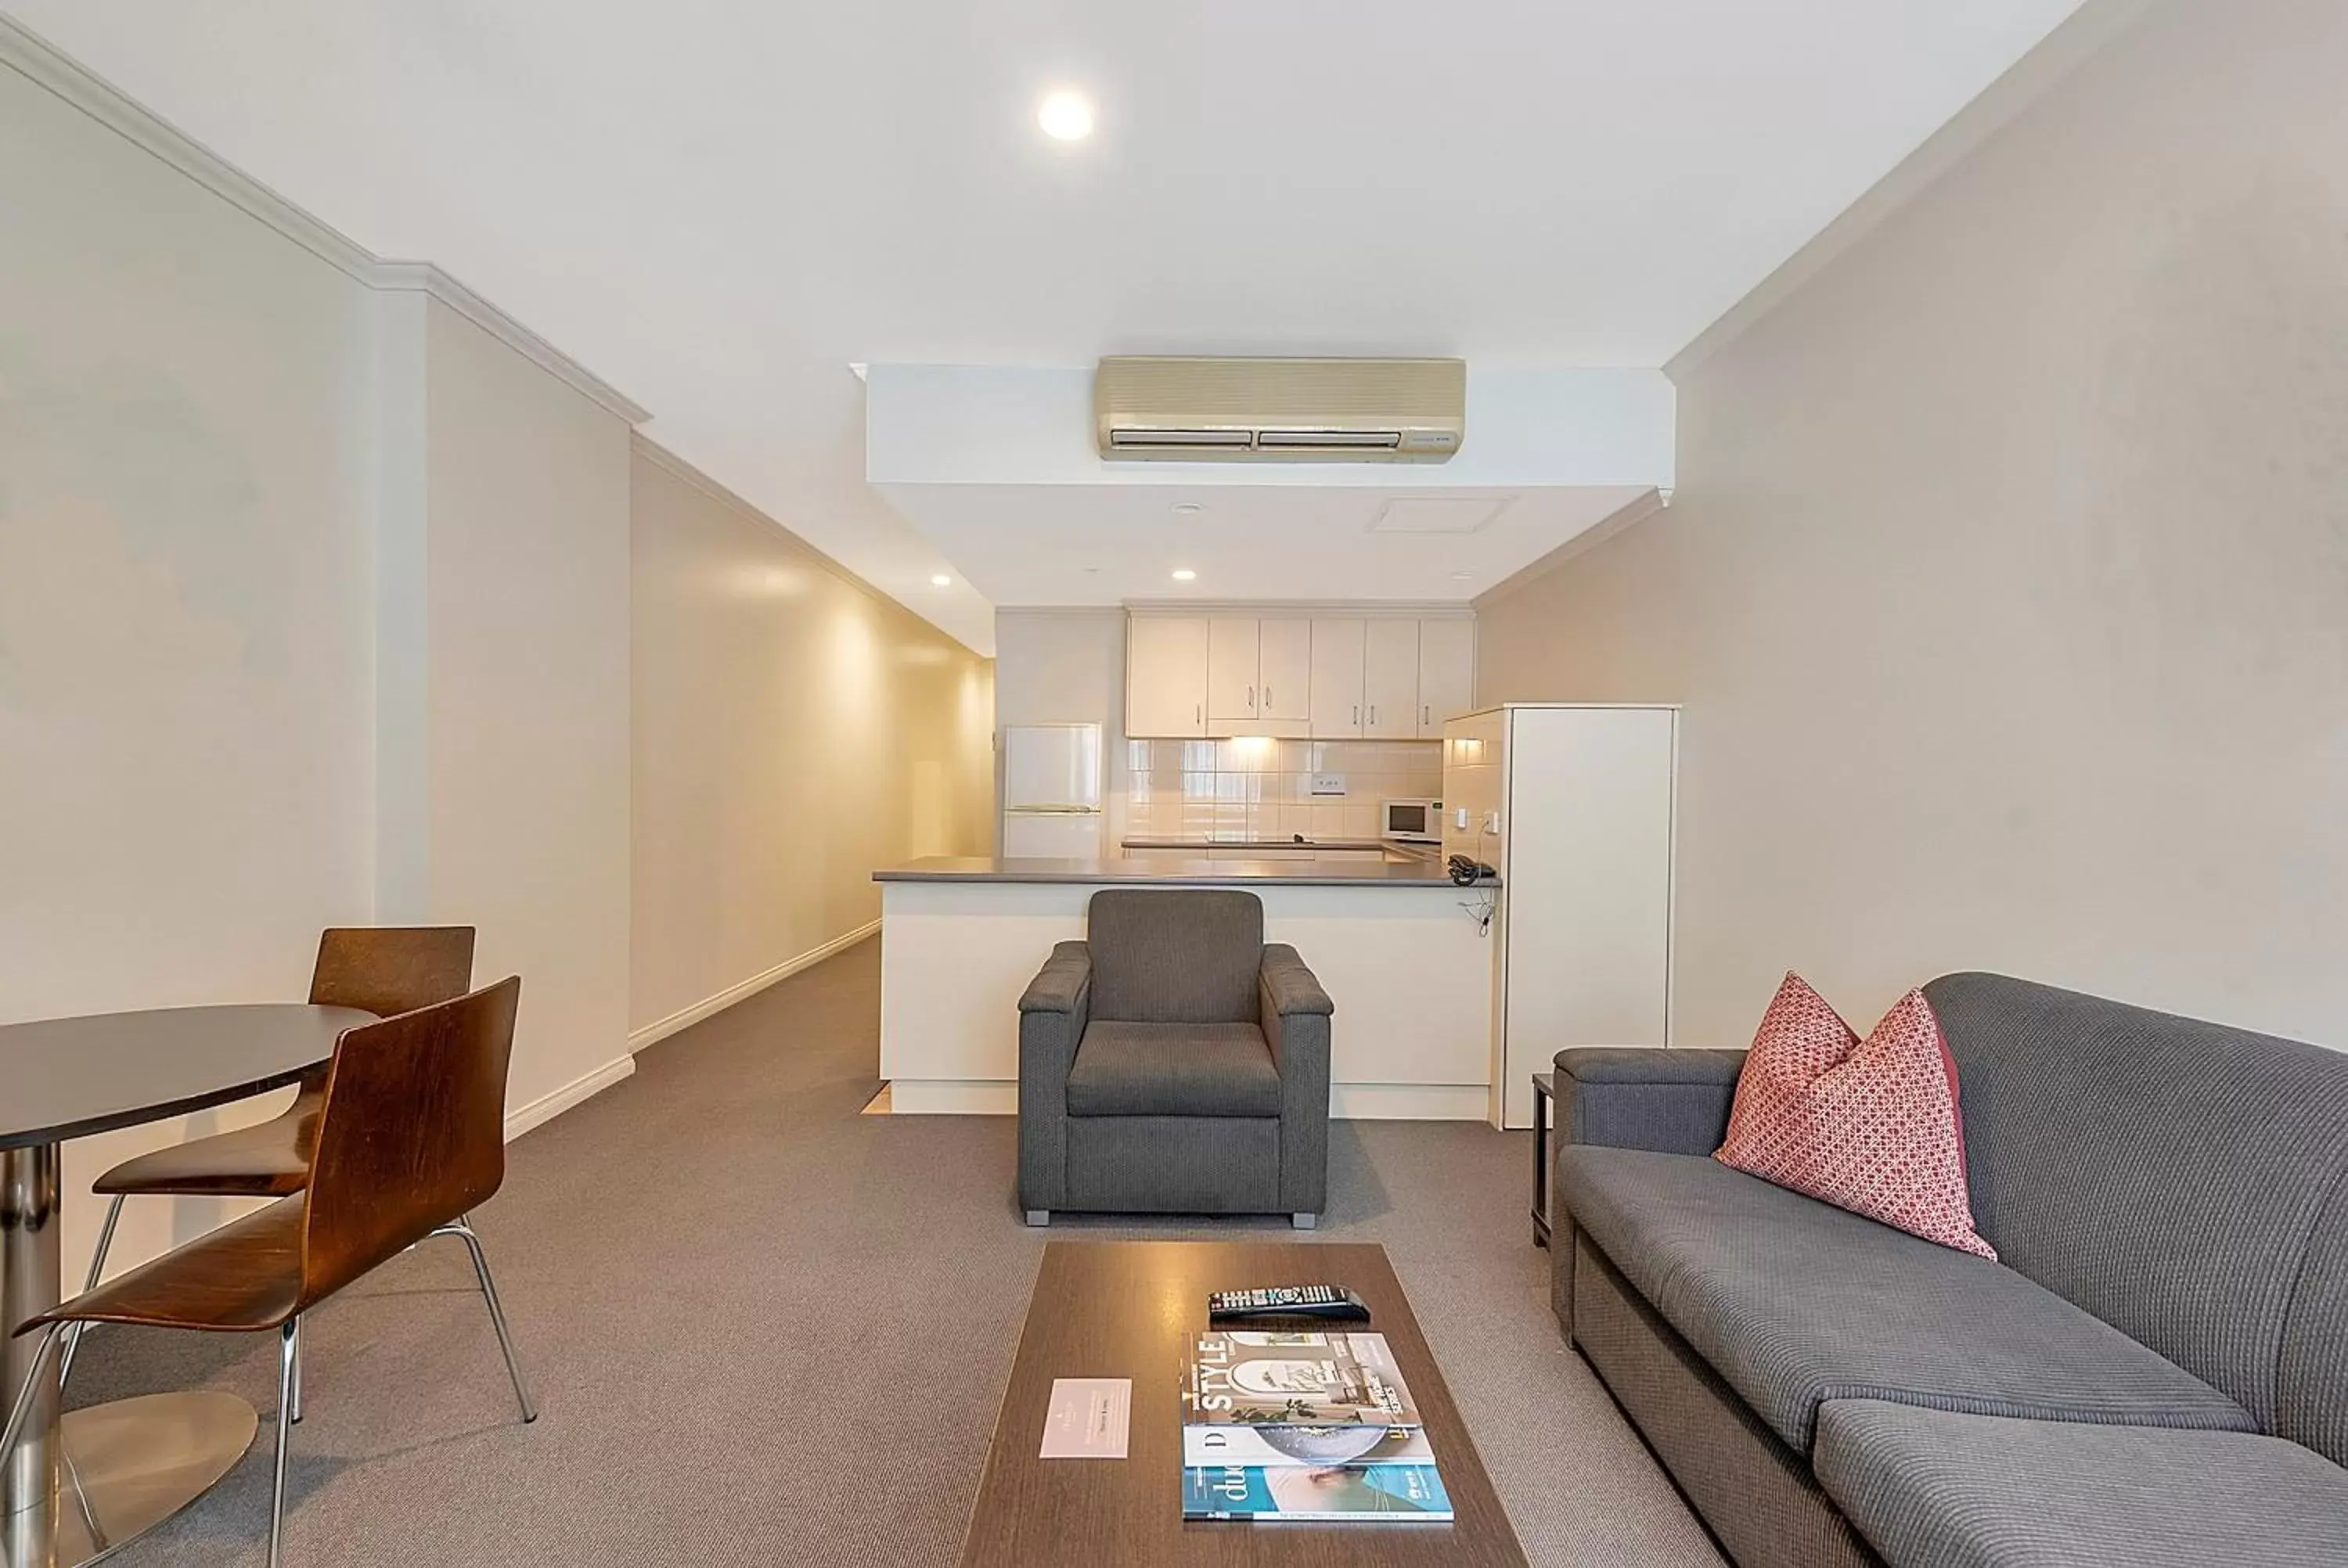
point(1410, 1101)
point(547, 1107)
point(1348, 1101)
point(685, 1017)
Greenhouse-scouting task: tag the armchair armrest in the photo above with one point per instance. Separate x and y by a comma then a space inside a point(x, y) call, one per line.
point(1288, 988)
point(1295, 1012)
point(1672, 1101)
point(1063, 985)
point(1053, 1013)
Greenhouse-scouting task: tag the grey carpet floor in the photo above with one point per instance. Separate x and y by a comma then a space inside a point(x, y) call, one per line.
point(767, 1330)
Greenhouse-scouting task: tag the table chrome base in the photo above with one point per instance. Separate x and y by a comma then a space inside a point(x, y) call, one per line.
point(130, 1465)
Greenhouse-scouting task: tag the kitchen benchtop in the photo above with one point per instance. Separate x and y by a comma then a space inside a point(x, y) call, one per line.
point(1346, 844)
point(1171, 872)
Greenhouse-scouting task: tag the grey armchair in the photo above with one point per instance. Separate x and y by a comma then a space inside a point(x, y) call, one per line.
point(1173, 1063)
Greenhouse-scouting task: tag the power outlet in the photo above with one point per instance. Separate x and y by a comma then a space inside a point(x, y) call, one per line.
point(1328, 784)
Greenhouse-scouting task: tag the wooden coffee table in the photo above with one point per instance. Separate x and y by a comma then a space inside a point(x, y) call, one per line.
point(1129, 1309)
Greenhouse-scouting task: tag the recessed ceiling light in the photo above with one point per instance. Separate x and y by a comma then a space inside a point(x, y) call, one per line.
point(1187, 509)
point(1463, 577)
point(1184, 574)
point(941, 580)
point(1066, 116)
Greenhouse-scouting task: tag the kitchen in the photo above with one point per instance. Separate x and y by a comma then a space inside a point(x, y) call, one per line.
point(1299, 751)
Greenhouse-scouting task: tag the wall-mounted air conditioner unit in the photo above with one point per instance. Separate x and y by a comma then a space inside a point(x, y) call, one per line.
point(1292, 410)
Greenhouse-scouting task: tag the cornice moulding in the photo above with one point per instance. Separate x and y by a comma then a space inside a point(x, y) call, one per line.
point(54, 71)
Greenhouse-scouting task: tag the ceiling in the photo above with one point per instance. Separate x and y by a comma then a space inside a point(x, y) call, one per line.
point(1106, 544)
point(718, 205)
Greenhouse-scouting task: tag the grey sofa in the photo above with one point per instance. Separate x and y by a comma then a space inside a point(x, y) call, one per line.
point(1172, 1063)
point(2154, 1374)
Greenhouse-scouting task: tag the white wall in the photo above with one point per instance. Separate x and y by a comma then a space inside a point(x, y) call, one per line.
point(795, 731)
point(527, 674)
point(185, 720)
point(314, 609)
point(2006, 584)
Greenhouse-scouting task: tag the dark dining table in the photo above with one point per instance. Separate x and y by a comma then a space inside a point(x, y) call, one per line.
point(78, 1485)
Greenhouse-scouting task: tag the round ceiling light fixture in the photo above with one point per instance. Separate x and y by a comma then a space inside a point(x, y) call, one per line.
point(941, 580)
point(1066, 115)
point(1184, 574)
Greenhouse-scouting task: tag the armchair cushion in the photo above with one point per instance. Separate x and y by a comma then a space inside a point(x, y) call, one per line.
point(1173, 1070)
point(1175, 955)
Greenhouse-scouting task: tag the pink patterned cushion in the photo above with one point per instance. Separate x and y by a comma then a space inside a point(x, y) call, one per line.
point(1868, 1125)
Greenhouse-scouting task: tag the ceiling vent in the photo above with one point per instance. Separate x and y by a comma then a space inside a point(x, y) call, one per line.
point(1279, 410)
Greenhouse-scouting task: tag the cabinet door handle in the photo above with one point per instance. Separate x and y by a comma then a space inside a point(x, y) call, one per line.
point(1267, 696)
point(1426, 715)
point(1250, 699)
point(1357, 715)
point(1373, 713)
point(1198, 714)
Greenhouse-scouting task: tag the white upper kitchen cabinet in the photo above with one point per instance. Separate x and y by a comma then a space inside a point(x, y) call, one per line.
point(1337, 649)
point(1284, 669)
point(1446, 674)
point(1390, 681)
point(1232, 697)
point(1166, 675)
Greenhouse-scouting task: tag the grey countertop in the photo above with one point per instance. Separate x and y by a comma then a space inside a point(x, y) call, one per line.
point(1148, 842)
point(1171, 872)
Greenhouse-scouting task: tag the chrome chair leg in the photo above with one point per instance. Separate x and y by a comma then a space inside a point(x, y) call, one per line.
point(294, 1403)
point(96, 1268)
point(289, 1340)
point(25, 1394)
point(463, 1230)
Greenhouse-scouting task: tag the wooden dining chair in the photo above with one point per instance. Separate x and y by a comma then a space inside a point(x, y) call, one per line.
point(410, 1139)
point(381, 969)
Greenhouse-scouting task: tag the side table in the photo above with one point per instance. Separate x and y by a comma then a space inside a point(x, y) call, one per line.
point(1544, 1086)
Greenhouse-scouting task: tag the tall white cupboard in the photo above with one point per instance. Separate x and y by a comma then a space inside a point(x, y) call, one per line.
point(1573, 805)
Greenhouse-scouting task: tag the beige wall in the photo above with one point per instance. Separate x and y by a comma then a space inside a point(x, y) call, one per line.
point(2006, 584)
point(313, 611)
point(794, 731)
point(526, 678)
point(185, 727)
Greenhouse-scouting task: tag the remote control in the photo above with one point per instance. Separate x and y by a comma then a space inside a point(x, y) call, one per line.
point(1324, 1301)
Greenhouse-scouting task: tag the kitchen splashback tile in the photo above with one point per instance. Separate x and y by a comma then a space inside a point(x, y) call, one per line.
point(1261, 788)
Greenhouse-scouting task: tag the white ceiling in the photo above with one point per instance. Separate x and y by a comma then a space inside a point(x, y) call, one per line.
point(716, 205)
point(1106, 544)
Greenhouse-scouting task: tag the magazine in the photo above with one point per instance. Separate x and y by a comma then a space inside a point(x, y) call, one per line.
point(1224, 1446)
point(1274, 1379)
point(1381, 1492)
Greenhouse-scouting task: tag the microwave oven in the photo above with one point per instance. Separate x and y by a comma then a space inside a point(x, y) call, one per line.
point(1412, 821)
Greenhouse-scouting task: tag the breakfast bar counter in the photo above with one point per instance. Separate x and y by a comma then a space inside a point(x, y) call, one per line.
point(1320, 873)
point(1403, 952)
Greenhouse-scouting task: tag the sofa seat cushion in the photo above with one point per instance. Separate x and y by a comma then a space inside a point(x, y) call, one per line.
point(1793, 1302)
point(1952, 1491)
point(1173, 1070)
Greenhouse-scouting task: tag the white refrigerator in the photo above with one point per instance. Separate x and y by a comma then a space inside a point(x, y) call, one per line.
point(1052, 792)
point(1573, 805)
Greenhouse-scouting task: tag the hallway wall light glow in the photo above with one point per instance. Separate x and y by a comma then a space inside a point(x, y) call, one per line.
point(1185, 574)
point(1066, 115)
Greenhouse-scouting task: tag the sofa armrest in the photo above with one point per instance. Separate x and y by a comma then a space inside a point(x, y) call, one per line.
point(1053, 1013)
point(1286, 989)
point(1672, 1102)
point(1295, 1012)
